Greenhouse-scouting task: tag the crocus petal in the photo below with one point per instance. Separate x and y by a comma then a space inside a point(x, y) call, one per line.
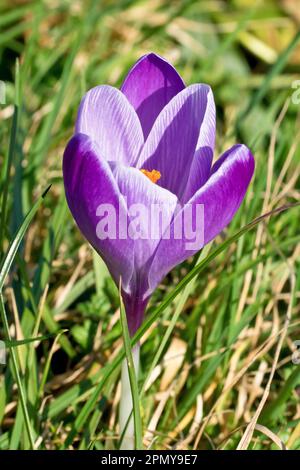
point(202, 160)
point(149, 86)
point(144, 200)
point(106, 116)
point(135, 307)
point(176, 135)
point(89, 183)
point(221, 196)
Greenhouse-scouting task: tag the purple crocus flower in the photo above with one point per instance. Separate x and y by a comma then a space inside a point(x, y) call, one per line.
point(151, 142)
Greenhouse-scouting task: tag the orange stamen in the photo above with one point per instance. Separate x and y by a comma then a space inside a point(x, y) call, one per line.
point(153, 175)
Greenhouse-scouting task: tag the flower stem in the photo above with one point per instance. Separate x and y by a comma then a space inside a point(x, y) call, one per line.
point(126, 419)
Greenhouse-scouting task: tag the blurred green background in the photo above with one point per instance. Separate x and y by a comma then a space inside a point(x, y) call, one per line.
point(228, 355)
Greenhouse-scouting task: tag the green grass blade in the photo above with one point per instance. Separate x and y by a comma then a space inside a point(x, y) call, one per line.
point(274, 408)
point(15, 343)
point(13, 248)
point(182, 300)
point(8, 161)
point(21, 390)
point(109, 368)
point(132, 379)
point(275, 70)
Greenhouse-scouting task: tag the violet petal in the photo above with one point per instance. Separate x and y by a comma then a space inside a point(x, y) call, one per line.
point(202, 160)
point(150, 84)
point(173, 140)
point(106, 116)
point(137, 189)
point(88, 183)
point(221, 196)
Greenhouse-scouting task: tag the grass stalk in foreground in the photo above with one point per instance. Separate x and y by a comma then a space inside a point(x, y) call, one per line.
point(4, 269)
point(130, 430)
point(21, 390)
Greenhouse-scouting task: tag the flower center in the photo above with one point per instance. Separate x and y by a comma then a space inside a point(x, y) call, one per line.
point(153, 175)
